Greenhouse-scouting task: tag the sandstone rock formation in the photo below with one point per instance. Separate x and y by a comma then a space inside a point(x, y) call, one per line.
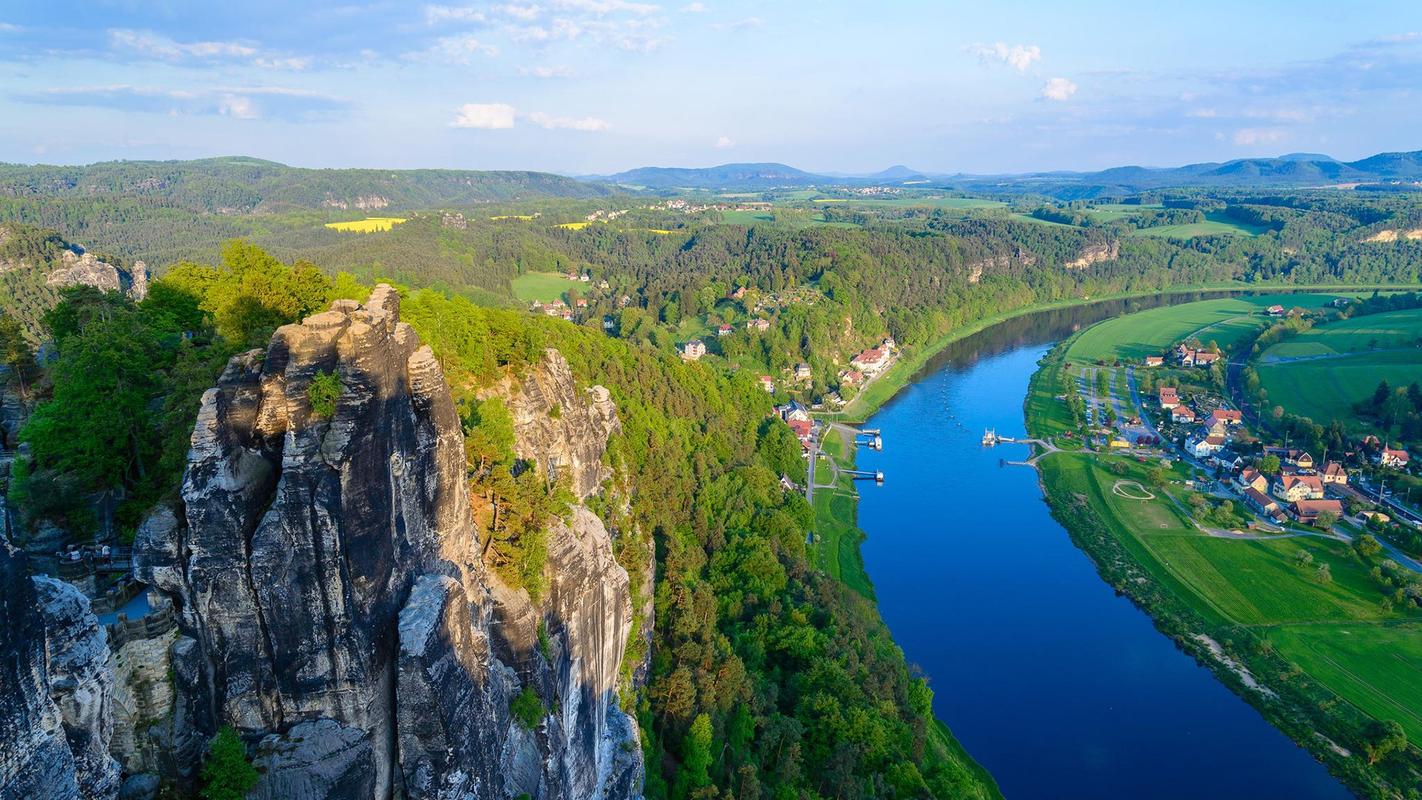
point(1095, 253)
point(80, 268)
point(333, 607)
point(55, 690)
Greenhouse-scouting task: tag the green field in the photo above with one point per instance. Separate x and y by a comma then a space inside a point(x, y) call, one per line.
point(545, 287)
point(769, 218)
point(1377, 667)
point(1326, 389)
point(1341, 363)
point(1223, 321)
point(1353, 335)
point(1216, 223)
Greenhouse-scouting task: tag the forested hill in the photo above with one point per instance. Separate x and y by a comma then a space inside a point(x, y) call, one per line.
point(1387, 170)
point(246, 185)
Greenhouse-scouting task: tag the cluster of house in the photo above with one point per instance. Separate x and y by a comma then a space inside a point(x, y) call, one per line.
point(1385, 455)
point(1187, 356)
point(798, 418)
point(558, 308)
point(1297, 492)
point(873, 361)
point(1213, 433)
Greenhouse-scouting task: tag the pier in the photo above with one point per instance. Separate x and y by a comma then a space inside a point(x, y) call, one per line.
point(864, 475)
point(991, 438)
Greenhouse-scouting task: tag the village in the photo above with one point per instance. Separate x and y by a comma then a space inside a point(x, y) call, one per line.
point(1175, 409)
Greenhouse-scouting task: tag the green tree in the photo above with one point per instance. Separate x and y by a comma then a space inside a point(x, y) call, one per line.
point(527, 707)
point(1382, 738)
point(227, 774)
point(1269, 465)
point(97, 424)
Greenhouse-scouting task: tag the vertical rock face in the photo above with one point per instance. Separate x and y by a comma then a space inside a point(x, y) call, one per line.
point(587, 613)
point(326, 573)
point(55, 691)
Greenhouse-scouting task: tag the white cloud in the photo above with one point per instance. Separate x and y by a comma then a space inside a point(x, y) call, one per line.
point(601, 7)
point(552, 122)
point(1017, 56)
point(724, 142)
point(486, 116)
point(1058, 89)
point(526, 13)
point(458, 49)
point(435, 14)
point(163, 47)
point(6, 27)
point(501, 116)
point(236, 105)
point(694, 8)
point(1202, 113)
point(1246, 137)
point(740, 25)
point(547, 72)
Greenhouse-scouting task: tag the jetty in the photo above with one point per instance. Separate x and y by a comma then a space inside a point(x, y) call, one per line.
point(991, 438)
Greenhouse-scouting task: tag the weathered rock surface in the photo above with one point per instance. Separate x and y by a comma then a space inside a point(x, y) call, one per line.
point(587, 611)
point(328, 584)
point(1094, 254)
point(55, 690)
point(561, 427)
point(81, 268)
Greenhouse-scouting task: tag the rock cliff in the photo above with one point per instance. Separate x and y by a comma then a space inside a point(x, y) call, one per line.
point(55, 690)
point(332, 605)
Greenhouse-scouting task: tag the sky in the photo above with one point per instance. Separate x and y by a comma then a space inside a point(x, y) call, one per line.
point(598, 86)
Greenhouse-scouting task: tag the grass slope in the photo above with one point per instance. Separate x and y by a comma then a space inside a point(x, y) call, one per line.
point(1223, 321)
point(545, 287)
point(1328, 388)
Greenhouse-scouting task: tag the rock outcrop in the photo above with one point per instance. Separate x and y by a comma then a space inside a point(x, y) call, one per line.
point(80, 268)
point(1095, 254)
point(332, 603)
point(55, 691)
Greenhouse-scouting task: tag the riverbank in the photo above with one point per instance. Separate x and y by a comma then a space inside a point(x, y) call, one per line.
point(1225, 624)
point(913, 360)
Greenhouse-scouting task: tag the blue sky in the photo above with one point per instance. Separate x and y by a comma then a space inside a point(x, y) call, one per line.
point(584, 86)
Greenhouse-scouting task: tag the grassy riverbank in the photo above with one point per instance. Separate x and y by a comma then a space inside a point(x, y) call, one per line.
point(1255, 612)
point(883, 389)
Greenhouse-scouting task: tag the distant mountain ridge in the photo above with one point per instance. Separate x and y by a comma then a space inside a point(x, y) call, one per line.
point(245, 185)
point(1294, 169)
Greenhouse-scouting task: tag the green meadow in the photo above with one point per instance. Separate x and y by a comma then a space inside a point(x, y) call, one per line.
point(1217, 223)
point(1326, 389)
point(545, 287)
point(1224, 321)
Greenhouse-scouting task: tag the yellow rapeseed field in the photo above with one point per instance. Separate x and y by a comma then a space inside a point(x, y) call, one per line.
point(367, 225)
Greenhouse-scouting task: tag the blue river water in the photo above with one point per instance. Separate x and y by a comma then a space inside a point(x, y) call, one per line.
point(1058, 686)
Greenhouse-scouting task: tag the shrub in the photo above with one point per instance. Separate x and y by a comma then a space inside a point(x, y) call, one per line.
point(324, 391)
point(227, 774)
point(527, 708)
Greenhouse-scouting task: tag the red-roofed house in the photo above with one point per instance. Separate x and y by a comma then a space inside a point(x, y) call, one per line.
point(724, 330)
point(871, 360)
point(1168, 397)
point(1252, 478)
point(1333, 472)
point(1292, 488)
point(1182, 414)
point(1276, 311)
point(1226, 415)
point(1154, 361)
point(802, 429)
point(1307, 511)
point(1395, 458)
point(768, 384)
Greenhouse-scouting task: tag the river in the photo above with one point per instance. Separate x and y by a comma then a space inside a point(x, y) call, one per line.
point(1058, 686)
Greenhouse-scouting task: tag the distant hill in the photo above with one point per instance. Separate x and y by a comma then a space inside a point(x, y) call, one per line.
point(723, 177)
point(243, 185)
point(1294, 169)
